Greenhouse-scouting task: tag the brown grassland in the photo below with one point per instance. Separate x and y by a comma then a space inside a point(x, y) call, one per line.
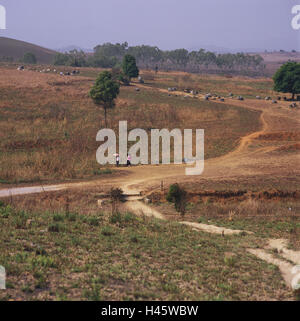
point(61, 246)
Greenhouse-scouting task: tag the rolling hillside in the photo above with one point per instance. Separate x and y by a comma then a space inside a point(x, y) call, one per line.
point(16, 49)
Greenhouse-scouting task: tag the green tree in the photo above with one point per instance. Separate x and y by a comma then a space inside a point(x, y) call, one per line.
point(178, 196)
point(287, 78)
point(104, 92)
point(129, 67)
point(76, 58)
point(29, 58)
point(60, 59)
point(99, 60)
point(73, 58)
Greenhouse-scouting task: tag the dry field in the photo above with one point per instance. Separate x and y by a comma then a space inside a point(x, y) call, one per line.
point(61, 246)
point(49, 124)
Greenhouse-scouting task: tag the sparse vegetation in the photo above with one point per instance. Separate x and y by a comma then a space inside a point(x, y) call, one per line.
point(56, 140)
point(85, 261)
point(71, 245)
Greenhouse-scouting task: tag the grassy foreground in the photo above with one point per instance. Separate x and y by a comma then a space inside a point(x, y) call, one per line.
point(60, 256)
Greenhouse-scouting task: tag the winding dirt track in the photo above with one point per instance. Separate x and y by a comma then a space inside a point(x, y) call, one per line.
point(245, 160)
point(239, 162)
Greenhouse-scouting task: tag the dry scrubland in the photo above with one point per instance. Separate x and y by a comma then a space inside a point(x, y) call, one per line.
point(49, 124)
point(62, 246)
point(86, 254)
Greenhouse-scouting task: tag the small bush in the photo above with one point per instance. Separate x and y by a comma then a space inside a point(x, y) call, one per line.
point(5, 211)
point(102, 171)
point(56, 227)
point(41, 282)
point(42, 261)
point(230, 260)
point(173, 193)
point(178, 196)
point(116, 218)
point(21, 257)
point(116, 196)
point(249, 206)
point(93, 294)
point(40, 251)
point(129, 217)
point(134, 239)
point(94, 221)
point(72, 217)
point(19, 220)
point(107, 231)
point(58, 217)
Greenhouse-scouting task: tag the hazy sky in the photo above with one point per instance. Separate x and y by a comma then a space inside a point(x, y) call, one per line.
point(169, 24)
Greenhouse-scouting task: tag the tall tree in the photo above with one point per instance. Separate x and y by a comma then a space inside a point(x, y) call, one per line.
point(287, 78)
point(129, 67)
point(104, 92)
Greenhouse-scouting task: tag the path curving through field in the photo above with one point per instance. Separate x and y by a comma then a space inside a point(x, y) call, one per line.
point(244, 160)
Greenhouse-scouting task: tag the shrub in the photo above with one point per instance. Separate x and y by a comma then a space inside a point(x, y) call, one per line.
point(178, 196)
point(5, 211)
point(42, 261)
point(94, 221)
point(56, 227)
point(19, 220)
point(115, 218)
point(107, 231)
point(116, 196)
point(173, 192)
point(58, 217)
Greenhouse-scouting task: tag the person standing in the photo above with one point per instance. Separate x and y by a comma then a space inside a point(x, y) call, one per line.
point(128, 160)
point(117, 160)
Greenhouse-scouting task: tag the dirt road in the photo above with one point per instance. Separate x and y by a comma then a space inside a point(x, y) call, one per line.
point(241, 161)
point(248, 158)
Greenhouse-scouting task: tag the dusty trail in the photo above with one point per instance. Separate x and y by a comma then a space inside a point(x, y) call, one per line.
point(140, 177)
point(286, 256)
point(284, 267)
point(237, 163)
point(288, 261)
point(213, 229)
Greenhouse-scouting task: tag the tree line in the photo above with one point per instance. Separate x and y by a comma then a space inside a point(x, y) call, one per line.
point(110, 55)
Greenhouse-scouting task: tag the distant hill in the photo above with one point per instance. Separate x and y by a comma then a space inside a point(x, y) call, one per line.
point(16, 49)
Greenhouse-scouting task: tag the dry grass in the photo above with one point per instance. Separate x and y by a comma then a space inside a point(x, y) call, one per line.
point(78, 252)
point(61, 246)
point(276, 217)
point(221, 85)
point(49, 124)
